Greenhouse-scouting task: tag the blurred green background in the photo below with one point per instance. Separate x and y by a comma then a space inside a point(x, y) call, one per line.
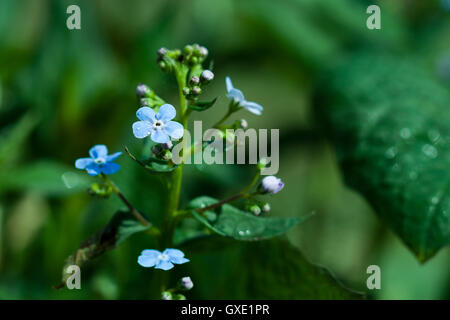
point(63, 91)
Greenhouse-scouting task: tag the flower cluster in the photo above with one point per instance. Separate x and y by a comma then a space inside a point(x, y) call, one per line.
point(157, 122)
point(161, 260)
point(99, 161)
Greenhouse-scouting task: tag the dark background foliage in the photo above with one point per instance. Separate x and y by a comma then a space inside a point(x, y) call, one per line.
point(62, 91)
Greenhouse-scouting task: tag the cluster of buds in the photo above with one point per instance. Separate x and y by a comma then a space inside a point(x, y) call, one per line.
point(162, 151)
point(100, 190)
point(196, 82)
point(194, 54)
point(147, 97)
point(185, 284)
point(257, 207)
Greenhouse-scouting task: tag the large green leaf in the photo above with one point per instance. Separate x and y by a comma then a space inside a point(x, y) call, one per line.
point(44, 176)
point(277, 270)
point(240, 225)
point(270, 269)
point(120, 227)
point(390, 123)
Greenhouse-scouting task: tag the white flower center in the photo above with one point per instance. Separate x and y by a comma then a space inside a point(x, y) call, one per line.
point(99, 160)
point(163, 257)
point(158, 124)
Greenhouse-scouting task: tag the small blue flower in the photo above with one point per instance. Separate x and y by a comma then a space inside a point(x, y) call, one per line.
point(99, 162)
point(157, 125)
point(237, 96)
point(165, 260)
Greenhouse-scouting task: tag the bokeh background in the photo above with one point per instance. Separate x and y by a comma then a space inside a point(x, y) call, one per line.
point(63, 91)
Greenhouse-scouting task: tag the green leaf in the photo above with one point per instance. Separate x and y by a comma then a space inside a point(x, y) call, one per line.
point(275, 269)
point(240, 225)
point(154, 165)
point(389, 122)
point(120, 227)
point(202, 105)
point(158, 165)
point(45, 177)
point(11, 142)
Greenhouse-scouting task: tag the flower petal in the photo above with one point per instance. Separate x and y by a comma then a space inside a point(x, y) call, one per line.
point(98, 151)
point(253, 107)
point(160, 136)
point(146, 114)
point(110, 168)
point(174, 129)
point(141, 129)
point(173, 253)
point(164, 265)
point(176, 256)
point(236, 95)
point(166, 112)
point(93, 169)
point(151, 252)
point(179, 260)
point(147, 261)
point(113, 156)
point(229, 84)
point(82, 163)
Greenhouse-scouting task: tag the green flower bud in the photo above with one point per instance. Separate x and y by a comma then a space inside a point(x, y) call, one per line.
point(100, 190)
point(188, 49)
point(196, 90)
point(194, 80)
point(255, 209)
point(166, 295)
point(186, 91)
point(163, 66)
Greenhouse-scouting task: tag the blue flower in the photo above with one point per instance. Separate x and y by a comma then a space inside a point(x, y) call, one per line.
point(157, 125)
point(165, 260)
point(238, 97)
point(99, 162)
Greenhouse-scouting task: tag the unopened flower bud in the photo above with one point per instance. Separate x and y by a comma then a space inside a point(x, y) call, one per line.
point(271, 184)
point(203, 52)
point(262, 163)
point(255, 209)
point(144, 102)
point(166, 295)
point(162, 52)
point(243, 124)
point(186, 283)
point(188, 49)
point(266, 207)
point(179, 296)
point(163, 66)
point(196, 90)
point(186, 91)
point(142, 90)
point(194, 80)
point(167, 145)
point(167, 155)
point(207, 76)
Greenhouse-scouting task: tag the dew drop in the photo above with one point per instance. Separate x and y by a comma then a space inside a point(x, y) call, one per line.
point(430, 151)
point(413, 175)
point(405, 133)
point(434, 135)
point(391, 153)
point(70, 179)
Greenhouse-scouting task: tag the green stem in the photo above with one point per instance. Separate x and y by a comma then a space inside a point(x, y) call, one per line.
point(174, 184)
point(133, 211)
point(232, 108)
